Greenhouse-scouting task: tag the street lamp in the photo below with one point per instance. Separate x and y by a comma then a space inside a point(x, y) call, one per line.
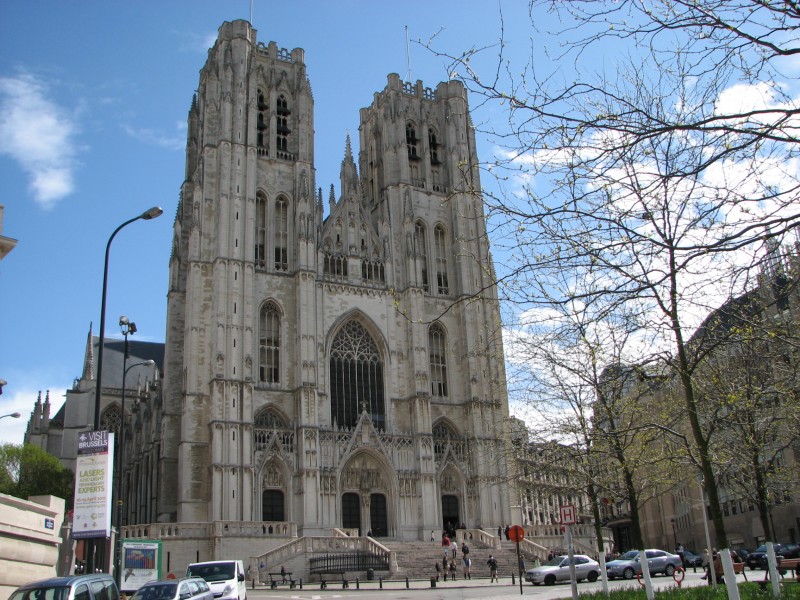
point(674, 534)
point(15, 415)
point(128, 328)
point(147, 215)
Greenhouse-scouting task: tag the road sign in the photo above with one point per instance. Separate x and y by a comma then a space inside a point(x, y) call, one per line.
point(516, 533)
point(568, 516)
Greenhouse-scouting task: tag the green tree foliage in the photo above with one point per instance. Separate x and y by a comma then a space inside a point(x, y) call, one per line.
point(27, 470)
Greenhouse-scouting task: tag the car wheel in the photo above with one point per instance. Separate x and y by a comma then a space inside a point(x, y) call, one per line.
point(534, 583)
point(550, 580)
point(593, 575)
point(669, 570)
point(628, 573)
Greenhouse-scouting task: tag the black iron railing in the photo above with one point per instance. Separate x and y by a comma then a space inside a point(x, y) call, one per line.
point(347, 562)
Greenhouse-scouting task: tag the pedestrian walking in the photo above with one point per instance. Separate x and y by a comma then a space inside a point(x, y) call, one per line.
point(444, 566)
point(432, 536)
point(438, 570)
point(453, 570)
point(492, 562)
point(454, 548)
point(464, 549)
point(467, 565)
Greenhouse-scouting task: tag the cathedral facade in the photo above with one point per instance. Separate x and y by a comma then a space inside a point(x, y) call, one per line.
point(341, 370)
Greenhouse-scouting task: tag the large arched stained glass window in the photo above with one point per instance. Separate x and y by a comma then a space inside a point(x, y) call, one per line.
point(356, 377)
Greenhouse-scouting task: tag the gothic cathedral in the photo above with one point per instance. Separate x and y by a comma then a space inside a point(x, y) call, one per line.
point(336, 366)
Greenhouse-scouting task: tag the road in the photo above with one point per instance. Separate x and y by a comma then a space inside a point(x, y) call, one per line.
point(459, 590)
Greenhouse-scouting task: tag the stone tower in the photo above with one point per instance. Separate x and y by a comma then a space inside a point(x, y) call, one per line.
point(339, 368)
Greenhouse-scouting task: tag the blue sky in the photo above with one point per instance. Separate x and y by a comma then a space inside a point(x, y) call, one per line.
point(93, 103)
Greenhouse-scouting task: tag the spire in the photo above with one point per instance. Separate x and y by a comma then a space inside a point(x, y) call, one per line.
point(332, 199)
point(88, 358)
point(349, 174)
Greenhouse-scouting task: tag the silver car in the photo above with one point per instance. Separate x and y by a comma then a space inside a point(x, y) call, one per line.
point(558, 570)
point(629, 565)
point(186, 588)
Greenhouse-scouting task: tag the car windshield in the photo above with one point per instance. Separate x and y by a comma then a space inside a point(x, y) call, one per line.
point(45, 593)
point(555, 562)
point(761, 548)
point(629, 555)
point(217, 572)
point(164, 591)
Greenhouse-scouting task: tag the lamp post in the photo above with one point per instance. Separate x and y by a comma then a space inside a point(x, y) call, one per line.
point(15, 415)
point(147, 215)
point(128, 328)
point(151, 213)
point(674, 534)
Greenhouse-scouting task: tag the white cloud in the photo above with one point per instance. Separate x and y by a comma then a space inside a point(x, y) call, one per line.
point(38, 134)
point(176, 141)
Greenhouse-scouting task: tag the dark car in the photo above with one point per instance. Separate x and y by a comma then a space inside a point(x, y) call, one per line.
point(758, 558)
point(691, 559)
point(95, 586)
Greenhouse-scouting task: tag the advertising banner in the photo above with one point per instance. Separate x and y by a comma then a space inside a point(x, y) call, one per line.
point(93, 477)
point(141, 562)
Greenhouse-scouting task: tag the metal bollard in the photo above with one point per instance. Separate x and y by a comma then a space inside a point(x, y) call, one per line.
point(358, 587)
point(433, 582)
point(406, 582)
point(512, 578)
point(380, 582)
point(301, 583)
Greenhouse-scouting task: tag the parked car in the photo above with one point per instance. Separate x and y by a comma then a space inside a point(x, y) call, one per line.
point(691, 559)
point(758, 558)
point(558, 570)
point(629, 565)
point(226, 578)
point(184, 588)
point(96, 586)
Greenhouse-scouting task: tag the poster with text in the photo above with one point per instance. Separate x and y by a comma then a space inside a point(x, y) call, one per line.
point(141, 562)
point(93, 477)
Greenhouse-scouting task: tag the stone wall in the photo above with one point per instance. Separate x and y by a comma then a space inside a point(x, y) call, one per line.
point(30, 536)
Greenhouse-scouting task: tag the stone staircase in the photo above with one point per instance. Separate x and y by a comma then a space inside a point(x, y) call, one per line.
point(415, 560)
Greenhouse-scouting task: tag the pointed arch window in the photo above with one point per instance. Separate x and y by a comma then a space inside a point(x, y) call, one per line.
point(356, 373)
point(437, 344)
point(111, 419)
point(263, 123)
point(269, 343)
point(281, 234)
point(261, 231)
point(421, 247)
point(411, 142)
point(440, 249)
point(282, 113)
point(434, 146)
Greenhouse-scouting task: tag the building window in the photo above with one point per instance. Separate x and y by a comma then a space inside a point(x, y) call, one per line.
point(281, 234)
point(440, 249)
point(356, 373)
point(262, 125)
point(373, 271)
point(111, 419)
point(261, 231)
point(282, 122)
point(269, 344)
point(434, 147)
point(421, 248)
point(334, 264)
point(272, 505)
point(438, 360)
point(411, 142)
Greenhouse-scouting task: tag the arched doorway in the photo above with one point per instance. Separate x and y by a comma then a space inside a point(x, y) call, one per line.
point(351, 511)
point(378, 517)
point(450, 514)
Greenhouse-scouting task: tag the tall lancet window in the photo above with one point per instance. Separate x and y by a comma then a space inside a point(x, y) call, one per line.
point(437, 344)
point(356, 377)
point(269, 343)
point(281, 234)
point(411, 141)
point(282, 113)
point(260, 256)
point(421, 247)
point(440, 247)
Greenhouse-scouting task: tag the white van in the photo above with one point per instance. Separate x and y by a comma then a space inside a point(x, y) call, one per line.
point(226, 578)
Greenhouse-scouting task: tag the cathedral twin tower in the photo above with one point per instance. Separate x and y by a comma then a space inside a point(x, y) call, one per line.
point(332, 371)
